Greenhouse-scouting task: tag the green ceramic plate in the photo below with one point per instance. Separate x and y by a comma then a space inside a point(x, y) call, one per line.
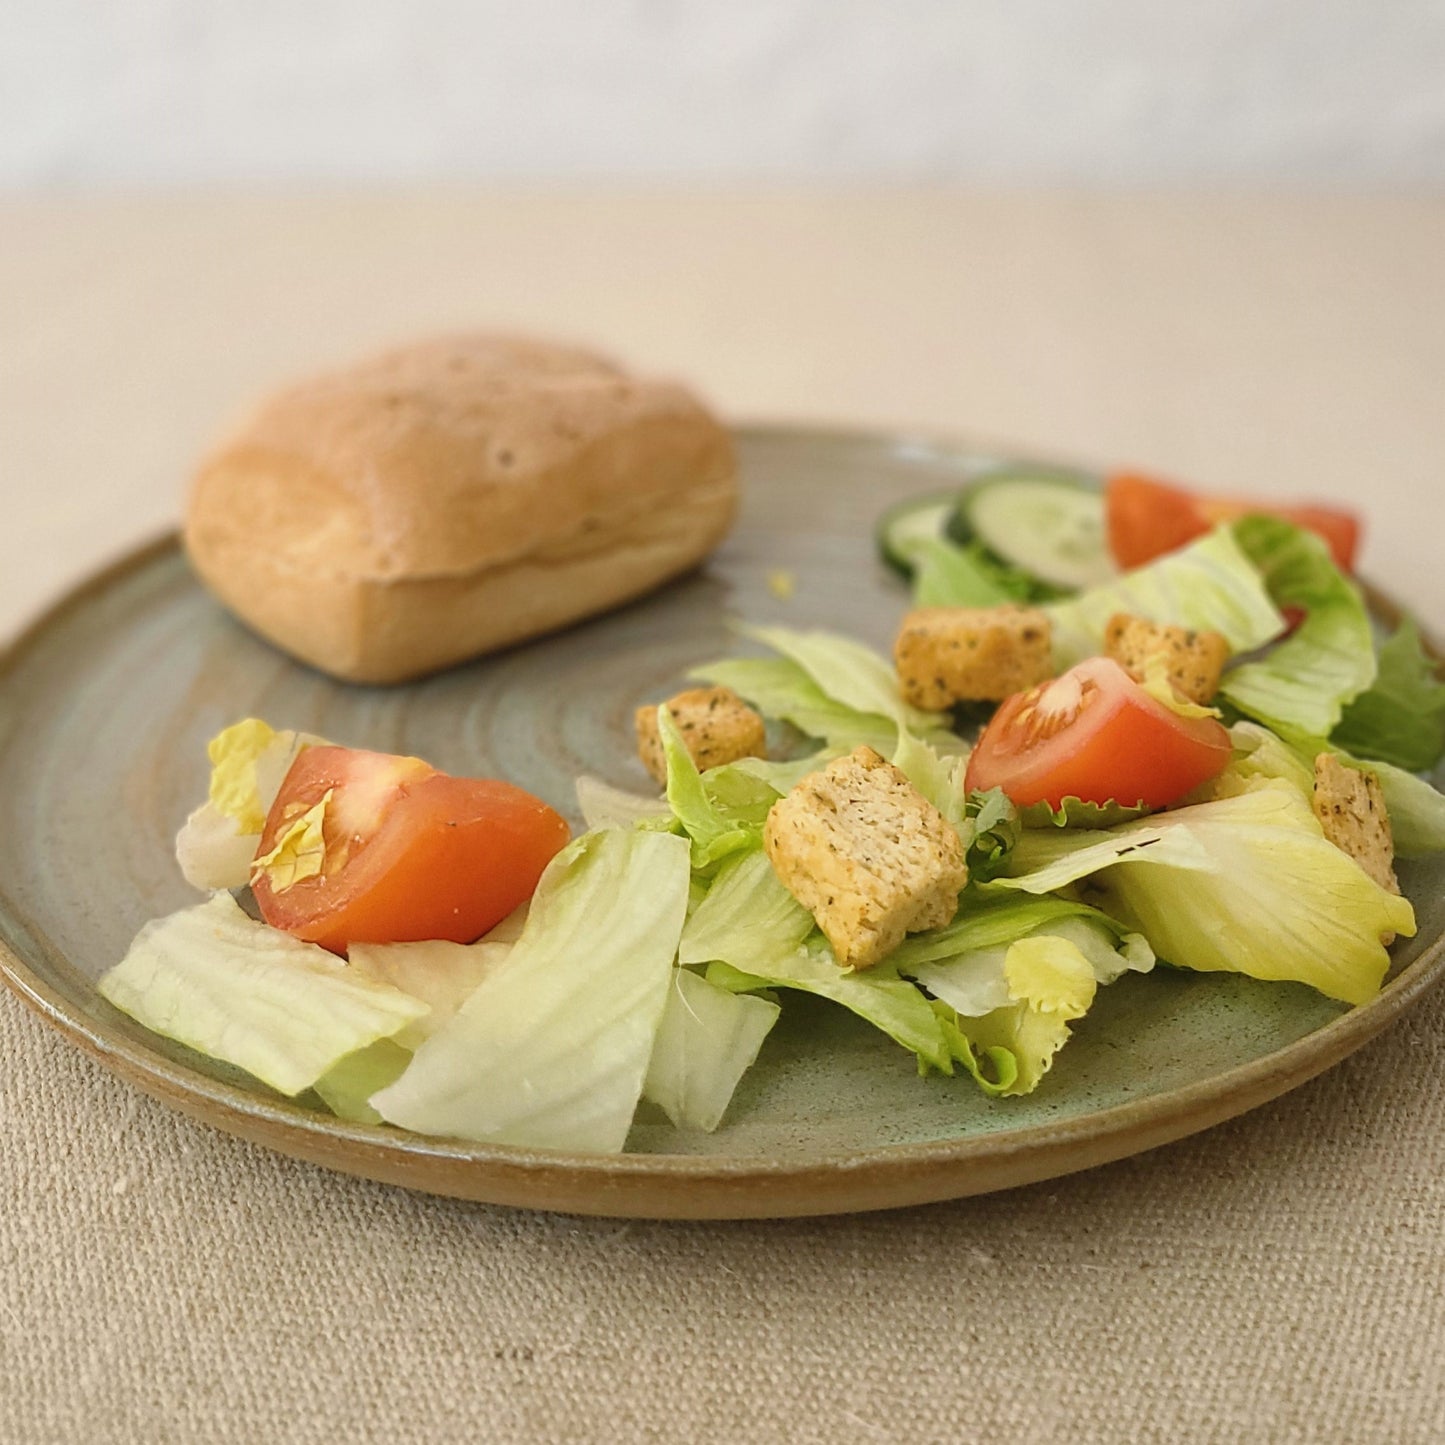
point(105, 708)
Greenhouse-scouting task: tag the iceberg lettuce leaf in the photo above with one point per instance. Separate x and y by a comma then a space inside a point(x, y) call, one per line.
point(1209, 585)
point(1244, 884)
point(939, 778)
point(603, 806)
point(346, 1087)
point(236, 990)
point(707, 1040)
point(551, 1049)
point(848, 672)
point(1050, 985)
point(249, 762)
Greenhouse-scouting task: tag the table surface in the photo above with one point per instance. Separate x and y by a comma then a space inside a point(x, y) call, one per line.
point(1278, 1278)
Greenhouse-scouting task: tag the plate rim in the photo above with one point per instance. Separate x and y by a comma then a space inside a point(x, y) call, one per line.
point(880, 1176)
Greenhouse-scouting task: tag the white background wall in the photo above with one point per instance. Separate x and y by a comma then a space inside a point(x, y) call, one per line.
point(172, 91)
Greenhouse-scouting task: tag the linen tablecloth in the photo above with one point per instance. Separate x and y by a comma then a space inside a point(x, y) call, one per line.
point(1279, 1278)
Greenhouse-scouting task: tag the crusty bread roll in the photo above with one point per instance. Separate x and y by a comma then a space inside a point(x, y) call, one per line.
point(452, 497)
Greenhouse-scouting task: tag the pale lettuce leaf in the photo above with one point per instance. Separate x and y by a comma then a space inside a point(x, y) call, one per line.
point(221, 983)
point(603, 806)
point(1050, 985)
point(551, 1050)
point(974, 982)
point(249, 762)
point(848, 672)
point(707, 1040)
point(1209, 585)
point(1245, 884)
point(938, 777)
point(347, 1086)
point(443, 975)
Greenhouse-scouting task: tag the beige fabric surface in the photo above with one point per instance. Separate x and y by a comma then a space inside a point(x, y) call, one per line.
point(1281, 1278)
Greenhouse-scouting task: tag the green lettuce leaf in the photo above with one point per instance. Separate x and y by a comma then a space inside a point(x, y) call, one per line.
point(1301, 686)
point(551, 1050)
point(1416, 809)
point(780, 688)
point(952, 576)
point(236, 990)
point(708, 1038)
point(714, 831)
point(876, 994)
point(991, 827)
point(1076, 813)
point(746, 918)
point(1210, 584)
point(1400, 719)
point(1246, 884)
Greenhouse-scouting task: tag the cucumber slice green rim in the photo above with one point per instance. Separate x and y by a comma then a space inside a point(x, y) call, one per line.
point(908, 526)
point(1049, 524)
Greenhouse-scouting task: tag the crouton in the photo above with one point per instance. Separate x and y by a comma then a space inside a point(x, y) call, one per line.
point(1351, 810)
point(946, 655)
point(1193, 661)
point(716, 724)
point(867, 855)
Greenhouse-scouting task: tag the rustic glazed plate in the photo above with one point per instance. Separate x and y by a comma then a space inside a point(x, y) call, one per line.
point(105, 708)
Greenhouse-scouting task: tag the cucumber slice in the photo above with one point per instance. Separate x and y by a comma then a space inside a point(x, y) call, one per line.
point(907, 526)
point(1048, 524)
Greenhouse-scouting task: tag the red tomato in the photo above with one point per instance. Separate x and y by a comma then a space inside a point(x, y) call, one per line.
point(1095, 734)
point(1148, 518)
point(410, 853)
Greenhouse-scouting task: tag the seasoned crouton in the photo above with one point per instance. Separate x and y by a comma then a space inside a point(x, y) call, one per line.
point(971, 654)
point(1192, 660)
point(716, 724)
point(1351, 809)
point(867, 855)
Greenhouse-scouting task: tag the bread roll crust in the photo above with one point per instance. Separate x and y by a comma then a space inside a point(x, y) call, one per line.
point(453, 497)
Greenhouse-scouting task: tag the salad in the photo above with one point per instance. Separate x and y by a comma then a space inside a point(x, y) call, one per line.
point(1121, 730)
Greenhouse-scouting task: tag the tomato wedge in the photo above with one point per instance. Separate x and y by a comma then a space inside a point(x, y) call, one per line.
point(1147, 518)
point(1095, 734)
point(404, 852)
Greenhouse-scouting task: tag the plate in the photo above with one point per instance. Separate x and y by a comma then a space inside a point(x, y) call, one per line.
point(105, 707)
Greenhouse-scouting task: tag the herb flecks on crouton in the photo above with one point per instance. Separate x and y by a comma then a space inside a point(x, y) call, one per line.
point(867, 855)
point(716, 725)
point(1351, 809)
point(1193, 661)
point(946, 655)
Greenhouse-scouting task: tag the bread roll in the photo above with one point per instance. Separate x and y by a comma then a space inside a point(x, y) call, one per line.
point(453, 497)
